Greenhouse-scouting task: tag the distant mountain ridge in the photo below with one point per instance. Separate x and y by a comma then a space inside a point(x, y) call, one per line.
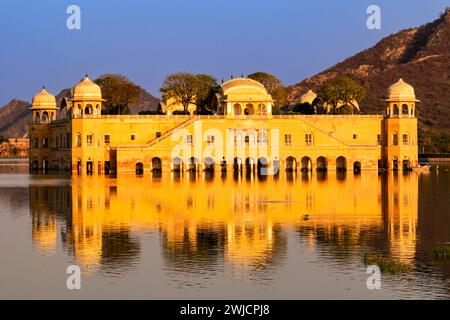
point(14, 119)
point(421, 56)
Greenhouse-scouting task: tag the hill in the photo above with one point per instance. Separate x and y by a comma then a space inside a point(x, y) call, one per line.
point(421, 56)
point(14, 119)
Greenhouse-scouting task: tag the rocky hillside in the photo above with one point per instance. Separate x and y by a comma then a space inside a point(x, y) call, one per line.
point(14, 119)
point(421, 56)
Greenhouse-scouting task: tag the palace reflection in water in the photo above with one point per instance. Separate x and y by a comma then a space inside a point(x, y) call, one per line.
point(206, 221)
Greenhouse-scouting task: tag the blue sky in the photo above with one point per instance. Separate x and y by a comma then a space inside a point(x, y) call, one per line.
point(148, 39)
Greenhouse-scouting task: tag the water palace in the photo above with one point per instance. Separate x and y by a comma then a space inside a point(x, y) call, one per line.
point(241, 135)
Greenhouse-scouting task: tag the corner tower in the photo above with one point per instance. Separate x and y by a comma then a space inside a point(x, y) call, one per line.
point(43, 107)
point(401, 150)
point(86, 100)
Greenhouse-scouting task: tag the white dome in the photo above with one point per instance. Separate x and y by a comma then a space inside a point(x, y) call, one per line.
point(43, 100)
point(401, 91)
point(87, 90)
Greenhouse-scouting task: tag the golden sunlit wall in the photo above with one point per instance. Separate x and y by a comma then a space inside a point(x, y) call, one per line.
point(243, 130)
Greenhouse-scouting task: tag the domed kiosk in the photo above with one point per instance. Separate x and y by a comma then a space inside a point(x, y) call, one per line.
point(401, 139)
point(86, 99)
point(43, 107)
point(401, 99)
point(243, 97)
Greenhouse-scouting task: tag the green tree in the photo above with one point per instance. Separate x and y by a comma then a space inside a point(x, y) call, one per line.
point(183, 87)
point(274, 86)
point(119, 93)
point(207, 87)
point(341, 90)
point(3, 139)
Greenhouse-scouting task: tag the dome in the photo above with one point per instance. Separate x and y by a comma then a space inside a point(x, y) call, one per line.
point(401, 91)
point(308, 97)
point(87, 90)
point(43, 100)
point(243, 83)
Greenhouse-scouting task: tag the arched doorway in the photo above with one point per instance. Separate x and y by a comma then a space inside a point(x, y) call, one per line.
point(276, 166)
point(45, 165)
point(79, 166)
point(89, 167)
point(263, 165)
point(177, 164)
point(406, 165)
point(322, 164)
point(291, 164)
point(341, 164)
point(209, 164)
point(193, 164)
point(35, 165)
point(223, 164)
point(306, 164)
point(237, 164)
point(357, 167)
point(156, 164)
point(139, 168)
point(249, 164)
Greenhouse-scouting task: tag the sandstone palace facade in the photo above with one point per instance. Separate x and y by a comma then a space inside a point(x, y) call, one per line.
point(242, 135)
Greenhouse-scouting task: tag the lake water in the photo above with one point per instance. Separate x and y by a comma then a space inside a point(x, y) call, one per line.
point(226, 237)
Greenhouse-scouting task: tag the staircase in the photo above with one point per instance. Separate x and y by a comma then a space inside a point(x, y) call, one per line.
point(326, 133)
point(171, 131)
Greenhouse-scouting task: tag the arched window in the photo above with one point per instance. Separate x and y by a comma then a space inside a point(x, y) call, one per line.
point(249, 109)
point(395, 110)
point(405, 110)
point(78, 140)
point(237, 109)
point(262, 110)
point(45, 118)
point(88, 110)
